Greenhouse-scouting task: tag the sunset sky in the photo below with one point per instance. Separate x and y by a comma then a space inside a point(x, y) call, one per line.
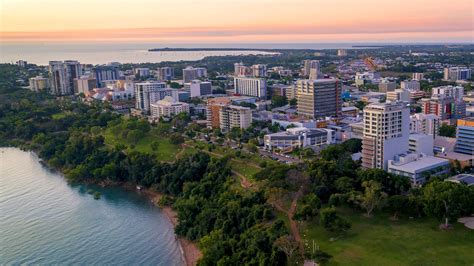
point(226, 21)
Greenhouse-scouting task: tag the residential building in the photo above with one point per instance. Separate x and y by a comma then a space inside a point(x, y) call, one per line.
point(291, 92)
point(165, 73)
point(39, 83)
point(457, 73)
point(192, 73)
point(387, 85)
point(105, 73)
point(439, 105)
point(410, 85)
point(342, 52)
point(256, 87)
point(425, 124)
point(366, 77)
point(418, 76)
point(234, 116)
point(386, 127)
point(319, 98)
point(147, 93)
point(214, 106)
point(417, 167)
point(240, 70)
point(62, 75)
point(421, 143)
point(200, 88)
point(312, 69)
point(259, 70)
point(299, 137)
point(278, 89)
point(168, 107)
point(84, 84)
point(465, 136)
point(457, 92)
point(142, 72)
point(398, 95)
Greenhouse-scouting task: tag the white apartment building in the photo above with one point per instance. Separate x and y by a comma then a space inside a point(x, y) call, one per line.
point(39, 83)
point(147, 93)
point(457, 92)
point(457, 73)
point(165, 73)
point(192, 73)
point(168, 107)
point(84, 84)
point(200, 88)
point(62, 75)
point(259, 70)
point(386, 127)
point(142, 71)
point(425, 124)
point(418, 76)
point(256, 87)
point(312, 69)
point(410, 85)
point(421, 143)
point(398, 95)
point(231, 116)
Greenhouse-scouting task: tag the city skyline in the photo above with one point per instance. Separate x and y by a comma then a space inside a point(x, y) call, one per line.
point(186, 21)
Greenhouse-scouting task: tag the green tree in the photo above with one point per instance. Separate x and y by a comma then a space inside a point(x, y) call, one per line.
point(278, 101)
point(372, 197)
point(176, 138)
point(329, 219)
point(447, 131)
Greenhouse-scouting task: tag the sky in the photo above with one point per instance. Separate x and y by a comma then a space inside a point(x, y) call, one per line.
point(242, 21)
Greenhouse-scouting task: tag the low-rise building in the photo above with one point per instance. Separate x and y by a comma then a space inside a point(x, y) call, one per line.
point(299, 137)
point(465, 136)
point(417, 167)
point(200, 88)
point(168, 107)
point(398, 96)
point(39, 83)
point(421, 143)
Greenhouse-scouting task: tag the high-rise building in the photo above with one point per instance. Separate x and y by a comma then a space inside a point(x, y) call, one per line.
point(39, 83)
point(342, 52)
point(241, 70)
point(319, 98)
point(465, 136)
point(142, 72)
point(147, 93)
point(259, 70)
point(457, 92)
point(165, 73)
point(457, 73)
point(410, 85)
point(418, 76)
point(386, 127)
point(312, 69)
point(192, 73)
point(84, 84)
point(256, 87)
point(234, 116)
point(105, 73)
point(62, 75)
point(200, 88)
point(425, 124)
point(440, 105)
point(387, 85)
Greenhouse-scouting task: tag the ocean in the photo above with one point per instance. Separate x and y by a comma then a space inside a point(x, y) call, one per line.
point(44, 220)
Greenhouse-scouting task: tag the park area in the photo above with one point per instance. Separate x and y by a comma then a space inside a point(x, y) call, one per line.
point(380, 240)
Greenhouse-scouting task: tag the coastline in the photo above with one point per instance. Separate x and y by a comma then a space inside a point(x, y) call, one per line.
point(189, 250)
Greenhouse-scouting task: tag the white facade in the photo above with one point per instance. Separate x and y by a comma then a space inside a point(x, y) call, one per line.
point(457, 73)
point(256, 87)
point(410, 85)
point(312, 69)
point(142, 71)
point(259, 70)
point(457, 92)
point(417, 166)
point(62, 75)
point(84, 84)
point(200, 88)
point(398, 95)
point(147, 93)
point(168, 107)
point(386, 132)
point(39, 83)
point(165, 73)
point(421, 143)
point(418, 76)
point(299, 137)
point(191, 73)
point(233, 116)
point(425, 124)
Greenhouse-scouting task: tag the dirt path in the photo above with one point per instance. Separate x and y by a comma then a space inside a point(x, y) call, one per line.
point(244, 182)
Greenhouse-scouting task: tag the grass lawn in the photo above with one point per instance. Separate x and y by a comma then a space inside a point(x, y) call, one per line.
point(59, 115)
point(244, 169)
point(165, 152)
point(381, 241)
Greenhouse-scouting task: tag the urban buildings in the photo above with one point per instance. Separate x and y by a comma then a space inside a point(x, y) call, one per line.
point(147, 93)
point(410, 85)
point(457, 73)
point(39, 83)
point(142, 72)
point(200, 88)
point(386, 127)
point(425, 124)
point(465, 136)
point(165, 73)
point(222, 114)
point(387, 85)
point(105, 73)
point(62, 75)
point(366, 77)
point(421, 144)
point(342, 52)
point(240, 70)
point(457, 92)
point(256, 87)
point(312, 69)
point(191, 73)
point(84, 84)
point(418, 76)
point(319, 98)
point(417, 167)
point(439, 105)
point(259, 70)
point(167, 107)
point(398, 95)
point(299, 137)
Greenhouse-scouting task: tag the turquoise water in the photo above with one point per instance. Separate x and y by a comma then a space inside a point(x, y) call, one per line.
point(44, 220)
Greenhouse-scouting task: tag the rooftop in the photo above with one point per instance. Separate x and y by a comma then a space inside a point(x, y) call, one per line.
point(418, 164)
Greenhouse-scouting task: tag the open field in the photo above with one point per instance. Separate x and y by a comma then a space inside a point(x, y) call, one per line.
point(381, 241)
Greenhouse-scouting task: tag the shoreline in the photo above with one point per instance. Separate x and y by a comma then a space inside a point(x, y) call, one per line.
point(189, 251)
